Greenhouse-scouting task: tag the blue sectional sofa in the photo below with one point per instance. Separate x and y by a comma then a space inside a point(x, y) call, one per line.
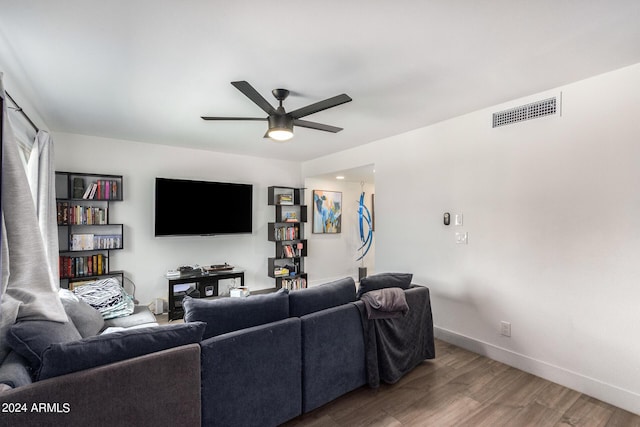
point(256, 361)
point(268, 358)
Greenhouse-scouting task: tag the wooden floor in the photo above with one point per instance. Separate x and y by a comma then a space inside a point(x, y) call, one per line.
point(460, 388)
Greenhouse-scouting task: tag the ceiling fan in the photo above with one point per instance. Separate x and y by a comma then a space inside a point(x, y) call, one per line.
point(280, 122)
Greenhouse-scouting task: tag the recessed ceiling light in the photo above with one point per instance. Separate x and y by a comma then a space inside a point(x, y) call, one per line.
point(339, 177)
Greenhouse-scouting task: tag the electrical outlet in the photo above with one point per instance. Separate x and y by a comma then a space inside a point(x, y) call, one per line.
point(505, 328)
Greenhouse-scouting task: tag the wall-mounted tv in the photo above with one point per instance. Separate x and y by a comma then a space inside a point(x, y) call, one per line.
point(203, 208)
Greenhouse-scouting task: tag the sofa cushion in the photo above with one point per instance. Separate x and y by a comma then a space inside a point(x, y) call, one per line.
point(87, 320)
point(384, 280)
point(141, 315)
point(323, 296)
point(14, 371)
point(224, 315)
point(252, 377)
point(333, 356)
point(64, 358)
point(29, 338)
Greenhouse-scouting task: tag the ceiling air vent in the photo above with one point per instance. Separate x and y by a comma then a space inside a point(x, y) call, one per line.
point(525, 112)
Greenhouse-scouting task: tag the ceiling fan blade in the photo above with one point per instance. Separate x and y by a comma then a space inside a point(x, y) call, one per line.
point(253, 95)
point(317, 126)
point(233, 118)
point(319, 106)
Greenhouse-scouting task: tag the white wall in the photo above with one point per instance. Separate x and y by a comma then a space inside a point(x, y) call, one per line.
point(146, 258)
point(333, 256)
point(553, 214)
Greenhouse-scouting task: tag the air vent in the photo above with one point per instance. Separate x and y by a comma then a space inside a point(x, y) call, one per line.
point(525, 112)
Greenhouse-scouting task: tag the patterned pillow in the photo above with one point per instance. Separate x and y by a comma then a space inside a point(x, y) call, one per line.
point(107, 296)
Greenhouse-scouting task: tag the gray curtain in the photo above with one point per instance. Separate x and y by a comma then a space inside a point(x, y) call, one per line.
point(29, 287)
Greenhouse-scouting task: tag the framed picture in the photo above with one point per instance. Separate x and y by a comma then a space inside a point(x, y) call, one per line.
point(327, 212)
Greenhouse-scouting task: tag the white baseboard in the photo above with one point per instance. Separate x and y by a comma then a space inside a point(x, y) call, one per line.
point(608, 393)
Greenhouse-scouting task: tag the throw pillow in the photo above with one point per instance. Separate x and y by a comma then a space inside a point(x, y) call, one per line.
point(327, 295)
point(87, 320)
point(107, 296)
point(65, 358)
point(384, 280)
point(224, 315)
point(29, 338)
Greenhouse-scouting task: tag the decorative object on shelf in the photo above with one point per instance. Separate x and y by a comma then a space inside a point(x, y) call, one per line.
point(327, 212)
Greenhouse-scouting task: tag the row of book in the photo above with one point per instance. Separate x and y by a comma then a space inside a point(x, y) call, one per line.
point(287, 233)
point(292, 251)
point(102, 189)
point(294, 284)
point(80, 215)
point(80, 266)
point(88, 242)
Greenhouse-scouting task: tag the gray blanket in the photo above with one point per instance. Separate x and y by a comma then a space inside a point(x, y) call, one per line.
point(385, 303)
point(395, 346)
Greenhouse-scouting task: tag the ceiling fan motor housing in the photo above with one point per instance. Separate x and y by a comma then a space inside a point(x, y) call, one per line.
point(280, 121)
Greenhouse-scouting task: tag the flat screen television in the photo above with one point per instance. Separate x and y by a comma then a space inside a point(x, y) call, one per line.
point(202, 208)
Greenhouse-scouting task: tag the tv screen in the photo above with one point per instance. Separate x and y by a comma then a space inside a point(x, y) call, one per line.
point(187, 207)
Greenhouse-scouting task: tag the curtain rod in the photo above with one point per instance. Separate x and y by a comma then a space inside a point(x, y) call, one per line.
point(21, 111)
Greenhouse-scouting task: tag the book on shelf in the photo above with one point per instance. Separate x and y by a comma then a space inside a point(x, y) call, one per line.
point(287, 233)
point(78, 187)
point(294, 284)
point(102, 189)
point(108, 241)
point(80, 266)
point(280, 271)
point(285, 199)
point(82, 242)
point(288, 251)
point(87, 191)
point(62, 212)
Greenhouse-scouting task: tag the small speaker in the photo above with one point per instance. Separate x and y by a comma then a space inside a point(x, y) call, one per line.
point(158, 306)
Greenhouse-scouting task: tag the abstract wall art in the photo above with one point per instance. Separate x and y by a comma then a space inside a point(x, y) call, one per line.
point(327, 212)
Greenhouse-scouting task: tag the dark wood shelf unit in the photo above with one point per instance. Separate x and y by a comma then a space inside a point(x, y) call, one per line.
point(197, 284)
point(287, 233)
point(84, 227)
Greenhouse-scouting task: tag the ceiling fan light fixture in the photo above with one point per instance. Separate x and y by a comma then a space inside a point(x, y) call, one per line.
point(280, 135)
point(280, 128)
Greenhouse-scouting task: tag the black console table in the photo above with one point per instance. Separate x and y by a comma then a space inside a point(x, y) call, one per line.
point(197, 284)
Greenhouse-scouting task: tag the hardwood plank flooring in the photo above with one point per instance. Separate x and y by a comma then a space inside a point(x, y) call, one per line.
point(461, 388)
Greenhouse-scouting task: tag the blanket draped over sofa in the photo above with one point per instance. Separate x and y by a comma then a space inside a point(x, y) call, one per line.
point(395, 346)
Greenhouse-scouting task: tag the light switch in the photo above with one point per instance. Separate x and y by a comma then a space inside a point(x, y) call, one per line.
point(458, 219)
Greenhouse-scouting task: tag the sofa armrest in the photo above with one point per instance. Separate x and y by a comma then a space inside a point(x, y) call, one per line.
point(140, 391)
point(252, 377)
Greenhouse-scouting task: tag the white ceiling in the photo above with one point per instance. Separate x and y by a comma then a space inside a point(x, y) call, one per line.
point(146, 70)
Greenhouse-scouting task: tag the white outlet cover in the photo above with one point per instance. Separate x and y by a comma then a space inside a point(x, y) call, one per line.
point(458, 219)
point(462, 238)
